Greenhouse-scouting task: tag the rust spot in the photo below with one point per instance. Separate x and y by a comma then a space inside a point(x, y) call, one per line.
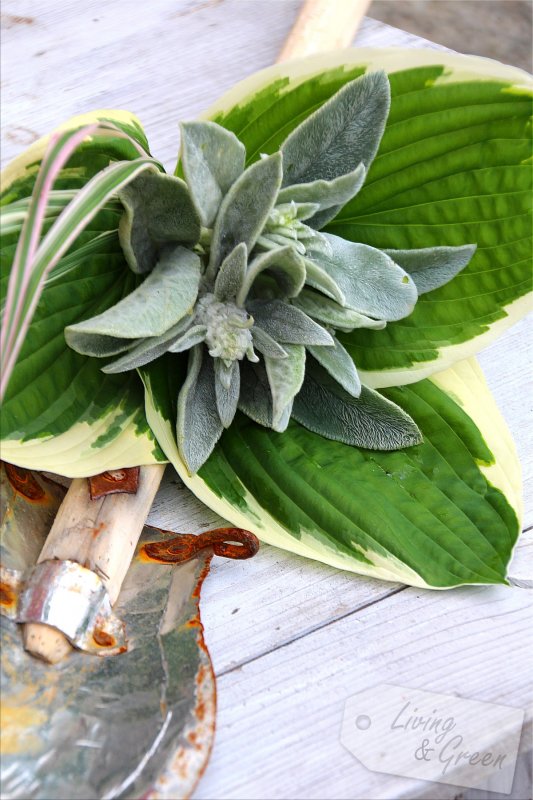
point(24, 482)
point(226, 542)
point(104, 639)
point(10, 20)
point(98, 529)
point(7, 595)
point(114, 482)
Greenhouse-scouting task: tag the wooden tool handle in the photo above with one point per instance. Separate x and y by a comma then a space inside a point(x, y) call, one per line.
point(323, 25)
point(99, 534)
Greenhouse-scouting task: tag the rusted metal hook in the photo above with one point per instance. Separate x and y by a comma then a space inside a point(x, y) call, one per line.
point(227, 542)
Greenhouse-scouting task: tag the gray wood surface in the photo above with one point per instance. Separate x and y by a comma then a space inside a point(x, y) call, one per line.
point(291, 639)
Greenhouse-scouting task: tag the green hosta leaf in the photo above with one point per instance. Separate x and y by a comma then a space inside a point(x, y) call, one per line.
point(213, 159)
point(436, 515)
point(340, 135)
point(231, 274)
point(370, 281)
point(161, 301)
point(339, 365)
point(329, 196)
point(158, 209)
point(452, 169)
point(198, 423)
point(285, 378)
point(285, 266)
point(432, 267)
point(287, 324)
point(245, 208)
point(61, 413)
point(368, 420)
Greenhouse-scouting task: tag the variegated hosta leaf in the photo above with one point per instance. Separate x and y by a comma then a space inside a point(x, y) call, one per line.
point(61, 413)
point(158, 209)
point(452, 169)
point(213, 159)
point(368, 420)
point(440, 514)
point(159, 303)
point(245, 209)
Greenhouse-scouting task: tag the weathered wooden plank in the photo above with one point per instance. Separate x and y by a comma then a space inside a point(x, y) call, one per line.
point(279, 717)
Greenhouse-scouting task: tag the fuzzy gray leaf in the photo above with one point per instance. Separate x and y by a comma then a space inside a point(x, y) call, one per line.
point(198, 425)
point(330, 196)
point(147, 350)
point(287, 324)
point(158, 209)
point(369, 421)
point(285, 378)
point(319, 279)
point(285, 266)
point(245, 208)
point(338, 362)
point(432, 267)
point(231, 274)
point(213, 158)
point(255, 399)
point(328, 312)
point(97, 346)
point(370, 280)
point(266, 344)
point(227, 390)
point(190, 338)
point(159, 303)
point(342, 133)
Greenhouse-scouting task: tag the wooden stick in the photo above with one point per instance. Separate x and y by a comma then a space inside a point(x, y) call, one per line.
point(102, 534)
point(99, 534)
point(323, 25)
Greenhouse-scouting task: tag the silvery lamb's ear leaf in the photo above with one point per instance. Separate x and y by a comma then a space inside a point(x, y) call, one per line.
point(338, 362)
point(255, 399)
point(285, 378)
point(266, 344)
point(328, 312)
point(190, 338)
point(432, 267)
point(245, 208)
point(368, 421)
point(319, 279)
point(330, 196)
point(159, 303)
point(213, 158)
point(147, 350)
point(284, 264)
point(342, 133)
point(92, 344)
point(287, 324)
point(198, 426)
point(231, 274)
point(227, 390)
point(370, 280)
point(158, 209)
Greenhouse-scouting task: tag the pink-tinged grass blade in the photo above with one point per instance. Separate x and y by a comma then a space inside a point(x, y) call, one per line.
point(33, 262)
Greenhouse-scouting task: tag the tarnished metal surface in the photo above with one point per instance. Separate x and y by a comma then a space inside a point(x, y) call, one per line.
point(70, 598)
point(114, 481)
point(139, 725)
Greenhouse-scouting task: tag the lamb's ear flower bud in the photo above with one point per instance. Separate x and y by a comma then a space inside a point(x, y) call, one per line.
point(239, 274)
